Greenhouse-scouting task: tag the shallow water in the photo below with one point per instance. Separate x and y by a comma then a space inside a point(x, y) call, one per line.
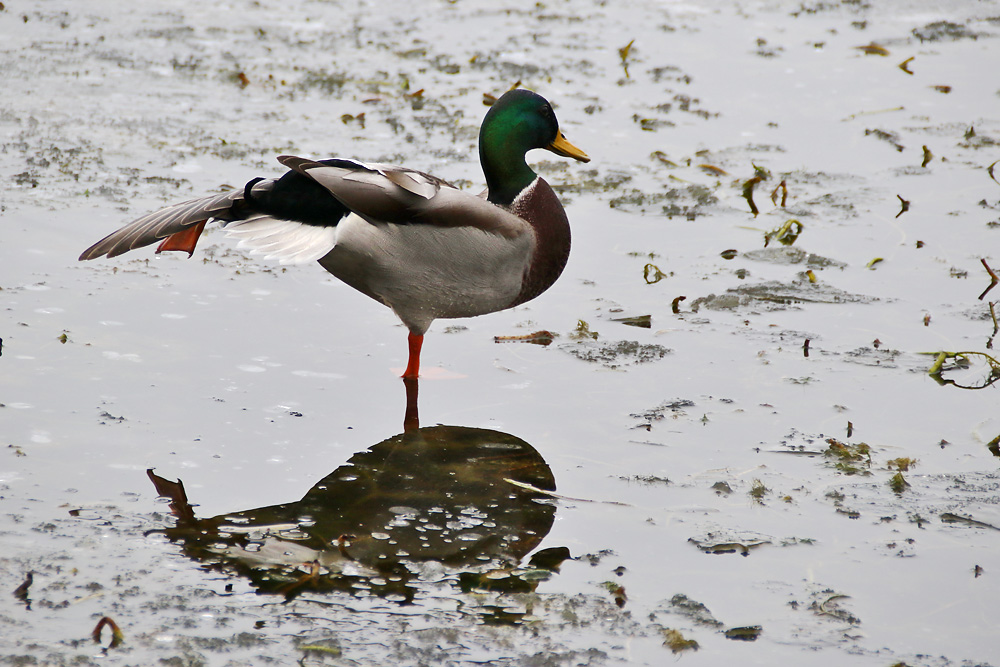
point(252, 383)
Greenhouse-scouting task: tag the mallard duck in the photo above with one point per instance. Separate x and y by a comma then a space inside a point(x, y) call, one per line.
point(406, 239)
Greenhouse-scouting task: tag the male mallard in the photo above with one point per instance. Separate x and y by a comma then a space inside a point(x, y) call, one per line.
point(410, 240)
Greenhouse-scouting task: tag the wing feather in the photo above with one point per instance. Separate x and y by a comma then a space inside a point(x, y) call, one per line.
point(381, 193)
point(160, 224)
point(287, 241)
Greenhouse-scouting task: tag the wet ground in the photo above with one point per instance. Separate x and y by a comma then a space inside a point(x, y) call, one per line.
point(732, 451)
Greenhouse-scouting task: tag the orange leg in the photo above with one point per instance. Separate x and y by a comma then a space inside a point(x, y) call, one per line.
point(413, 363)
point(184, 241)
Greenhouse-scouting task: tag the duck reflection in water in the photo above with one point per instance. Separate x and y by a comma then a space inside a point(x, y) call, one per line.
point(471, 500)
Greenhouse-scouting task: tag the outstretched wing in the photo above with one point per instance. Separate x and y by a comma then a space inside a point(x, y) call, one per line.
point(163, 223)
point(295, 226)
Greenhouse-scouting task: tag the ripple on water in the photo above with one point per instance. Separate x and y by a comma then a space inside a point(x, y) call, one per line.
point(318, 374)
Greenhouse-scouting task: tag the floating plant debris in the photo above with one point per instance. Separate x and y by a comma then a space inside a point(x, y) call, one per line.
point(786, 234)
point(651, 273)
point(641, 321)
point(117, 636)
point(624, 53)
point(873, 49)
point(713, 170)
point(928, 156)
point(904, 206)
point(993, 280)
point(21, 592)
point(898, 483)
point(849, 459)
point(676, 642)
point(542, 337)
point(748, 186)
point(583, 331)
point(728, 543)
point(987, 373)
point(950, 517)
point(746, 633)
point(694, 611)
point(783, 189)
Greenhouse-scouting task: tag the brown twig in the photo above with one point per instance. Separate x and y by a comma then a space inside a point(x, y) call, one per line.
point(993, 279)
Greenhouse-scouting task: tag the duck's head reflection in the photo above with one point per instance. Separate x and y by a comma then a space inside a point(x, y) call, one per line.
point(426, 504)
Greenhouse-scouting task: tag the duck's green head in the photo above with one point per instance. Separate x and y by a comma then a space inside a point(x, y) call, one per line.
point(518, 122)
